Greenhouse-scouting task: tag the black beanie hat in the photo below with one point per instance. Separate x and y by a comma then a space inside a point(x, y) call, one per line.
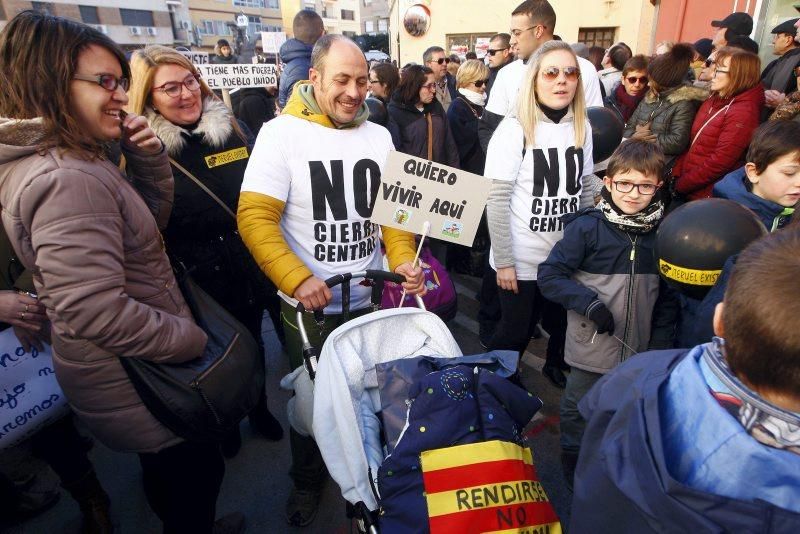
point(670, 69)
point(223, 42)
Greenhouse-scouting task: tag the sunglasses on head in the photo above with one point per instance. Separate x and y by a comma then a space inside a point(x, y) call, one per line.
point(570, 73)
point(480, 83)
point(441, 60)
point(492, 52)
point(634, 79)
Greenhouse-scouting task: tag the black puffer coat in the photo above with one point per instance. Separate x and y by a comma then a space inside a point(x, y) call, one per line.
point(413, 126)
point(200, 234)
point(670, 114)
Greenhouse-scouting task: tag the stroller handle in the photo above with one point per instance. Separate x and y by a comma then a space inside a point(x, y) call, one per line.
point(379, 277)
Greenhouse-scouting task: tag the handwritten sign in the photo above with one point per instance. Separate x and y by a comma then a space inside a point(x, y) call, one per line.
point(237, 76)
point(198, 58)
point(271, 41)
point(414, 190)
point(30, 397)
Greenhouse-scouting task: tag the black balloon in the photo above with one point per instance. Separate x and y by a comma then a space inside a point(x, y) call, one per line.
point(607, 131)
point(377, 111)
point(695, 240)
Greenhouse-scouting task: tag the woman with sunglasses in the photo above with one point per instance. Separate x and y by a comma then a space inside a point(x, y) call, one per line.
point(666, 113)
point(424, 130)
point(203, 139)
point(465, 112)
point(625, 96)
point(90, 236)
point(537, 160)
point(724, 124)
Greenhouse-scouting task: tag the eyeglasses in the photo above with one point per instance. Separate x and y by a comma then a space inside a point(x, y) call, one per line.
point(109, 82)
point(643, 189)
point(634, 79)
point(720, 71)
point(570, 73)
point(374, 81)
point(517, 32)
point(429, 86)
point(492, 52)
point(441, 60)
point(480, 83)
point(174, 89)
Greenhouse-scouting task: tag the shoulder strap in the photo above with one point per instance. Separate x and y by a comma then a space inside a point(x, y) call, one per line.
point(430, 135)
point(714, 116)
point(202, 186)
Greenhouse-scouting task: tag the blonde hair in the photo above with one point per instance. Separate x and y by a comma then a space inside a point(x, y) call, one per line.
point(528, 105)
point(471, 71)
point(144, 64)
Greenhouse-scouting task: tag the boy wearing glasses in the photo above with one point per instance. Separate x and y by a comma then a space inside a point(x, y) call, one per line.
point(604, 273)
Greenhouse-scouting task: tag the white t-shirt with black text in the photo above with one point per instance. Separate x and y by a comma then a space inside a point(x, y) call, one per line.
point(329, 180)
point(547, 184)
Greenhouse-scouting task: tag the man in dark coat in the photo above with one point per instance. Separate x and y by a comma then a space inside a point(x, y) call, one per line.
point(435, 59)
point(778, 77)
point(296, 53)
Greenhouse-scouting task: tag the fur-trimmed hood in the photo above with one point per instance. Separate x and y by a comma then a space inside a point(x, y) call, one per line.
point(19, 138)
point(678, 94)
point(215, 126)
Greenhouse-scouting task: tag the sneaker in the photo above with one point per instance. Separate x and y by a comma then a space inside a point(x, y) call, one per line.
point(301, 508)
point(229, 524)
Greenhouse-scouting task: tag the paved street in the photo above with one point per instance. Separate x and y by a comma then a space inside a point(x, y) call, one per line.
point(256, 481)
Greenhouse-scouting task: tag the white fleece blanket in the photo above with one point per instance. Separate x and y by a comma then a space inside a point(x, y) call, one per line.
point(345, 390)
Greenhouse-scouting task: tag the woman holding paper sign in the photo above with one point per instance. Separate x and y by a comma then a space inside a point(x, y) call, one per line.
point(536, 160)
point(209, 151)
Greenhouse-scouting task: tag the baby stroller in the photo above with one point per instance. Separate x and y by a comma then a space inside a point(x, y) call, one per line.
point(418, 437)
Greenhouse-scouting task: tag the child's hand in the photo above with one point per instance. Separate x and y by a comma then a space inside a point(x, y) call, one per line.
point(602, 317)
point(507, 279)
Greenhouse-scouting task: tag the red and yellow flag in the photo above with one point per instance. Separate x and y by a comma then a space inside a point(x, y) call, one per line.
point(486, 487)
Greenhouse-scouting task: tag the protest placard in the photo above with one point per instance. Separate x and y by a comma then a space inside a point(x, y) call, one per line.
point(237, 76)
point(414, 190)
point(30, 397)
point(197, 58)
point(271, 41)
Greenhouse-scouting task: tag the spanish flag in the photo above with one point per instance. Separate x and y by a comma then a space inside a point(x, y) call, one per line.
point(486, 487)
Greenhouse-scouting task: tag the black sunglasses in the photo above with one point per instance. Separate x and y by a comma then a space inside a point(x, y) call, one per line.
point(634, 79)
point(492, 52)
point(480, 83)
point(441, 60)
point(709, 62)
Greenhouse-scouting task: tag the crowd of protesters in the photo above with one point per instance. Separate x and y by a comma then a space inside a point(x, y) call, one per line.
point(108, 177)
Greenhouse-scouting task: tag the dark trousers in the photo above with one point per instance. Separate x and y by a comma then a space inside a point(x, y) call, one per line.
point(489, 312)
point(520, 314)
point(64, 450)
point(182, 484)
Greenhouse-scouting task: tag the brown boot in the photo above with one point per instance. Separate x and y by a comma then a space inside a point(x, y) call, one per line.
point(94, 504)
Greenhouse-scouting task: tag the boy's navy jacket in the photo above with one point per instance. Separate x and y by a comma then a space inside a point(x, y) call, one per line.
point(733, 187)
point(596, 260)
point(296, 56)
point(624, 481)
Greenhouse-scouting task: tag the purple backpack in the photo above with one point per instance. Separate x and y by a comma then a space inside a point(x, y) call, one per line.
point(441, 298)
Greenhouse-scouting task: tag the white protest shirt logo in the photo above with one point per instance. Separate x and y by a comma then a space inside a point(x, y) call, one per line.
point(329, 180)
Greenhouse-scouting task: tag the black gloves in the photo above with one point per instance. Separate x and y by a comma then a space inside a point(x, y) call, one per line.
point(598, 313)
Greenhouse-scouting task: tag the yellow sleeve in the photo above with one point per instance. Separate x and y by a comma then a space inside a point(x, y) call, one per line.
point(400, 246)
point(258, 218)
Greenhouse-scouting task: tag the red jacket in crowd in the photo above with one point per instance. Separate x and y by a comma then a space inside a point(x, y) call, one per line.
point(724, 134)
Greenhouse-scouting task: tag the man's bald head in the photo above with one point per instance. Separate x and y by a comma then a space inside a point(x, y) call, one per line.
point(339, 44)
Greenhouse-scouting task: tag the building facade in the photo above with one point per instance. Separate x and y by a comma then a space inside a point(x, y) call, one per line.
point(151, 22)
point(374, 16)
point(213, 20)
point(464, 25)
point(347, 17)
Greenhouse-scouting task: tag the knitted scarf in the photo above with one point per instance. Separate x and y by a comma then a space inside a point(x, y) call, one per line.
point(627, 103)
point(637, 223)
point(765, 422)
point(303, 104)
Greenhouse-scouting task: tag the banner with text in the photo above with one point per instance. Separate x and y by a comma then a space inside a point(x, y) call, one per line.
point(414, 190)
point(198, 58)
point(30, 397)
point(238, 76)
point(486, 487)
